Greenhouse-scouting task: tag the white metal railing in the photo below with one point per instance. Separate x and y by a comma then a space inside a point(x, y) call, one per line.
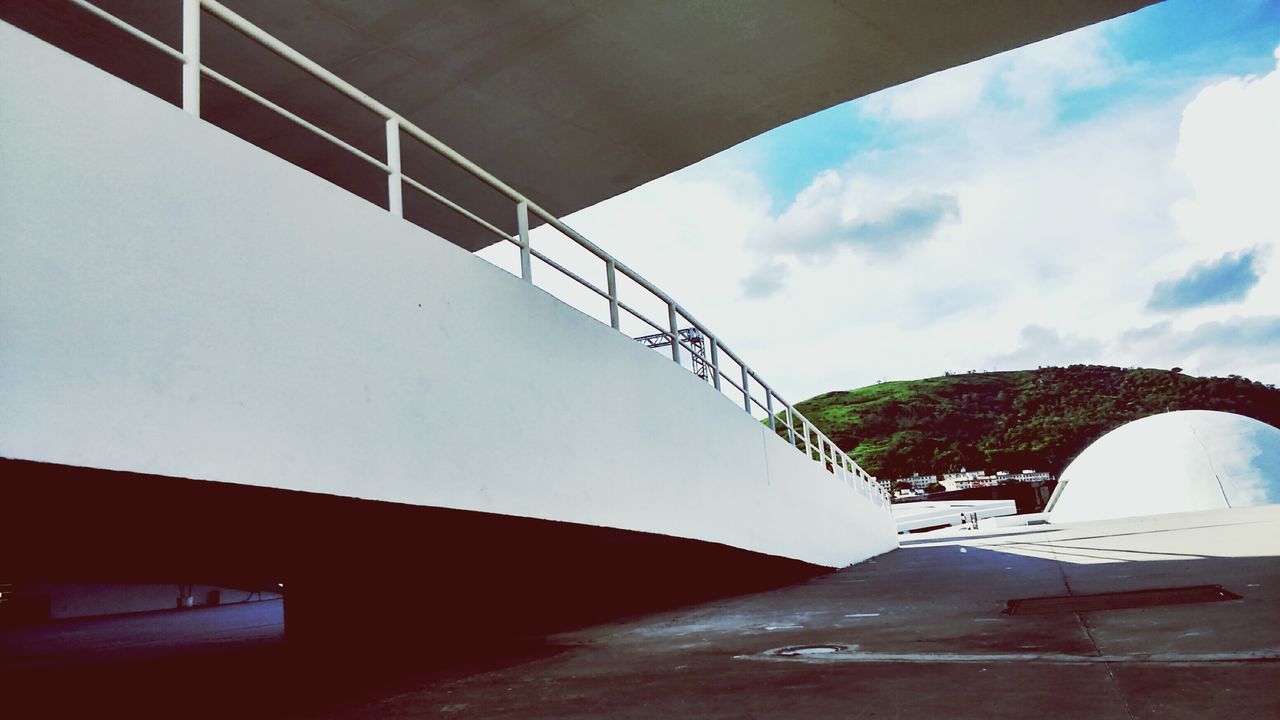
point(781, 416)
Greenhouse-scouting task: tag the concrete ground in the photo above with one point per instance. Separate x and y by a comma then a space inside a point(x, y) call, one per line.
point(922, 636)
point(915, 633)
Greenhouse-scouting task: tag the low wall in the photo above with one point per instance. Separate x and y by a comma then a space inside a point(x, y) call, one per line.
point(92, 599)
point(181, 303)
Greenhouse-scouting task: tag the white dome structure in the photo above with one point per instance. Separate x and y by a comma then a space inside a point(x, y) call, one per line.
point(1175, 462)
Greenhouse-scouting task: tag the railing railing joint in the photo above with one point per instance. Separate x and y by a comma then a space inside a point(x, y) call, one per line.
point(522, 223)
point(191, 56)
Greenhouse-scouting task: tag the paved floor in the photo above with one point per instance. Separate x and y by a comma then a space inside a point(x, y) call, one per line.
point(919, 633)
point(915, 633)
point(140, 636)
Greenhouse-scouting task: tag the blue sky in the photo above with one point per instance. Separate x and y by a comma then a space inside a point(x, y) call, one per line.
point(1167, 45)
point(1106, 196)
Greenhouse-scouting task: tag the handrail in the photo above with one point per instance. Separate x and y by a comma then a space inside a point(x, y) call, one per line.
point(783, 416)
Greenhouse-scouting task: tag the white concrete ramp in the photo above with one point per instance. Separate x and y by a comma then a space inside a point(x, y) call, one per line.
point(178, 302)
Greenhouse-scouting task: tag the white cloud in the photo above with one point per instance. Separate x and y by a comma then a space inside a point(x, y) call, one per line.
point(1248, 346)
point(1029, 79)
point(1039, 346)
point(939, 96)
point(767, 279)
point(850, 212)
point(1074, 61)
point(1229, 152)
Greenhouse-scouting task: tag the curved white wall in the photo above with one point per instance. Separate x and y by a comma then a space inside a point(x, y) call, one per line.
point(176, 301)
point(1173, 462)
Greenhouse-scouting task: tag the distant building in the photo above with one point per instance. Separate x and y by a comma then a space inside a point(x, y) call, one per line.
point(960, 480)
point(917, 482)
point(981, 481)
point(920, 482)
point(965, 479)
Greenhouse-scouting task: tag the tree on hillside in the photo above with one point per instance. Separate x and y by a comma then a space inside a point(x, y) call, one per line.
point(1039, 419)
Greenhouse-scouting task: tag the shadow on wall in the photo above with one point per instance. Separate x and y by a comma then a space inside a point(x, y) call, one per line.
point(364, 571)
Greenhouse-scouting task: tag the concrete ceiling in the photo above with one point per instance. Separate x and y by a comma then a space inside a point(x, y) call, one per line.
point(569, 101)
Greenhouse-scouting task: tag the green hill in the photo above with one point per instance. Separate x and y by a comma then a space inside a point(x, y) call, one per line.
point(1029, 419)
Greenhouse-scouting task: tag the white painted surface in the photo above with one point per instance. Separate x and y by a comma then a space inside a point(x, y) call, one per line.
point(1181, 461)
point(1005, 521)
point(176, 301)
point(917, 515)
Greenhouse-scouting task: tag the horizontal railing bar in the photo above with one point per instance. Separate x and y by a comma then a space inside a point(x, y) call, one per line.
point(640, 316)
point(135, 32)
point(690, 348)
point(569, 273)
point(294, 117)
point(265, 39)
point(457, 208)
point(622, 268)
point(731, 381)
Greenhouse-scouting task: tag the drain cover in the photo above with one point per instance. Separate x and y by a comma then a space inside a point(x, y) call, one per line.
point(1119, 600)
point(802, 650)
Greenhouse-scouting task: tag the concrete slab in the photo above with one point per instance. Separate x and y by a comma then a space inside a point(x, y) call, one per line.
point(915, 633)
point(918, 515)
point(923, 636)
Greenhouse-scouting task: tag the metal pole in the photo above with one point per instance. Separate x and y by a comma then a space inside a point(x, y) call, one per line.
point(675, 331)
point(791, 427)
point(395, 188)
point(768, 401)
point(191, 56)
point(746, 389)
point(715, 360)
point(526, 260)
point(611, 274)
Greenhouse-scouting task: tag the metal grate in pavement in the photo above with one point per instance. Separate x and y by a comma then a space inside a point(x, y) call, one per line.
point(1118, 600)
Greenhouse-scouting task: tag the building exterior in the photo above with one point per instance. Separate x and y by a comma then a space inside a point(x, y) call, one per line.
point(1182, 461)
point(964, 480)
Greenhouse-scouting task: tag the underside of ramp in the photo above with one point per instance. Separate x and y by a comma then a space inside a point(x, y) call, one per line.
point(577, 100)
point(356, 568)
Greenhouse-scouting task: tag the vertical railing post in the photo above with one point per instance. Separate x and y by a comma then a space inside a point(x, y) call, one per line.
point(522, 223)
point(395, 187)
point(791, 427)
point(768, 401)
point(611, 276)
point(675, 331)
point(715, 361)
point(808, 447)
point(191, 56)
point(746, 389)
